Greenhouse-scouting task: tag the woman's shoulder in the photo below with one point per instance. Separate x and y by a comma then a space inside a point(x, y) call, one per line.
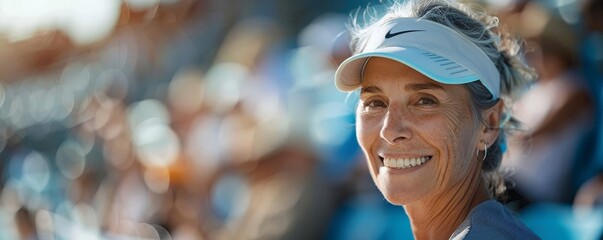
point(492, 220)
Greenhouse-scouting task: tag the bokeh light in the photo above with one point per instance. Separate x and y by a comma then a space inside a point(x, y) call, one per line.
point(156, 144)
point(71, 159)
point(224, 85)
point(36, 171)
point(185, 93)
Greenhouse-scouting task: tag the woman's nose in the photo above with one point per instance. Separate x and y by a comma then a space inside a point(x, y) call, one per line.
point(395, 128)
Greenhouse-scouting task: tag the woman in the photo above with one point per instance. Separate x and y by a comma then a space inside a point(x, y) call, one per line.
point(431, 77)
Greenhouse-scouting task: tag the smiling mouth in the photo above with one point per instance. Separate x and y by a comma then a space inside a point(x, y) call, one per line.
point(403, 163)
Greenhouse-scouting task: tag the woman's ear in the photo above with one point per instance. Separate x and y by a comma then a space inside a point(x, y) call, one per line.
point(491, 123)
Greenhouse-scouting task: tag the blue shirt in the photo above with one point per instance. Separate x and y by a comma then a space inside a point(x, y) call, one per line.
point(491, 220)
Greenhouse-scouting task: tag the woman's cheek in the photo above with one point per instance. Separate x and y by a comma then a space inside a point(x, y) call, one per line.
point(366, 129)
point(458, 131)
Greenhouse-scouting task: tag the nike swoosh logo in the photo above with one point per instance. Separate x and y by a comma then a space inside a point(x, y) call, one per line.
point(390, 34)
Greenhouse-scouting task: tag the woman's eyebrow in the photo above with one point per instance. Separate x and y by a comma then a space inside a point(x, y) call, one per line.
point(370, 89)
point(423, 86)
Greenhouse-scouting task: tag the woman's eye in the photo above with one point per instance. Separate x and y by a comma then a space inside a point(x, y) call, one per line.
point(426, 101)
point(374, 104)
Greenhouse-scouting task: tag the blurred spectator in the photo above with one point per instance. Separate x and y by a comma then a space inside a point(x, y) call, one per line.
point(558, 150)
point(557, 111)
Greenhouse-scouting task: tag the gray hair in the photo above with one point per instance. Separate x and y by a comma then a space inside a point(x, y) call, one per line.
point(483, 30)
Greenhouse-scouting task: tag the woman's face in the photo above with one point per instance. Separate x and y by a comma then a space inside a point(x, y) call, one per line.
point(419, 136)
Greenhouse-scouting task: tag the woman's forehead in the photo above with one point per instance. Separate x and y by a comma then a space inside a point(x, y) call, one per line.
point(383, 67)
point(380, 71)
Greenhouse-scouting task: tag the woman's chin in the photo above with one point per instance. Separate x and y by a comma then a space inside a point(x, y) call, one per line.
point(400, 199)
point(399, 193)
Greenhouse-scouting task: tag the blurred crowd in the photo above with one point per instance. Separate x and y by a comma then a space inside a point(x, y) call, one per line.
point(209, 119)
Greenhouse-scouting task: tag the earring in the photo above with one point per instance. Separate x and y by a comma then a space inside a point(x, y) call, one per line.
point(485, 151)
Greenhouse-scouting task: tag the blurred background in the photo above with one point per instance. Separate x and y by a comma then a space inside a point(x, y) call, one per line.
point(214, 119)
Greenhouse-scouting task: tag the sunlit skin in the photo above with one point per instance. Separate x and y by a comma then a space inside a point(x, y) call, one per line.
point(404, 114)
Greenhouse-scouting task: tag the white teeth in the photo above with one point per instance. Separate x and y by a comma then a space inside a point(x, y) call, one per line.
point(404, 162)
point(399, 163)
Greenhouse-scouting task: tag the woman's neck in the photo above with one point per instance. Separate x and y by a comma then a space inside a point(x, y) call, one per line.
point(438, 216)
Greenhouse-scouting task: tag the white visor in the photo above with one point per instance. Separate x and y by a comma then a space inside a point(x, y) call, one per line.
point(430, 48)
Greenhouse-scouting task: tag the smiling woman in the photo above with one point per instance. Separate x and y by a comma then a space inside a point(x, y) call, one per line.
point(433, 79)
